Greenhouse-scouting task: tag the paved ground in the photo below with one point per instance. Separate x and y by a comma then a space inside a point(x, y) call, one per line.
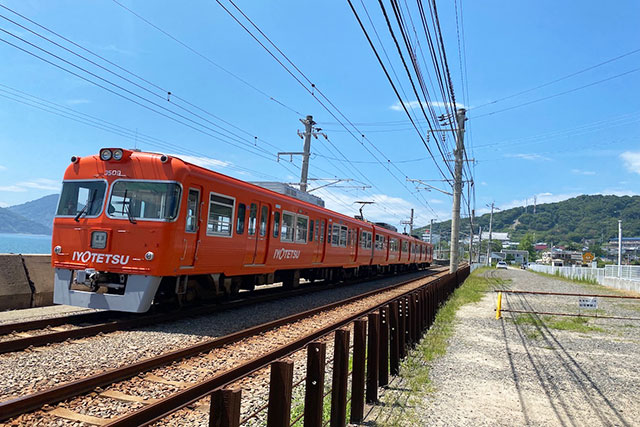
point(523, 370)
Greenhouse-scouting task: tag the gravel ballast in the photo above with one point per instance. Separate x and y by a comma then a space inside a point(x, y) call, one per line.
point(534, 370)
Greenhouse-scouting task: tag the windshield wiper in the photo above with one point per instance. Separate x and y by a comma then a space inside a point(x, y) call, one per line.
point(125, 206)
point(86, 207)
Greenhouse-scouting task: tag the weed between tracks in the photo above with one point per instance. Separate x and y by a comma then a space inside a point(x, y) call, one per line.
point(415, 379)
point(577, 324)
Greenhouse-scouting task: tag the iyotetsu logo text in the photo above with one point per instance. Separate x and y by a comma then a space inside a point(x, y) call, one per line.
point(89, 256)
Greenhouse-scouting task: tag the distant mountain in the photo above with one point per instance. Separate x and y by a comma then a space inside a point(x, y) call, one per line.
point(11, 222)
point(570, 221)
point(34, 217)
point(41, 210)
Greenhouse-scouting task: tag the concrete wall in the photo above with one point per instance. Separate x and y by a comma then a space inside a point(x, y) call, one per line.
point(25, 281)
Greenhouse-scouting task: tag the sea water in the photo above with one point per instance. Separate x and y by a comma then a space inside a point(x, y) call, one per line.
point(25, 243)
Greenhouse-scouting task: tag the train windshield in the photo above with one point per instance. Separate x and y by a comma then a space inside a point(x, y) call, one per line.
point(148, 200)
point(83, 198)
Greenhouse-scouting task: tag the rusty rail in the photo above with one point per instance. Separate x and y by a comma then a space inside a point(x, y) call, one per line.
point(56, 394)
point(422, 302)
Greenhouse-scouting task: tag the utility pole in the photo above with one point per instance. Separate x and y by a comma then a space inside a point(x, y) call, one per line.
point(479, 242)
point(431, 233)
point(409, 223)
point(535, 200)
point(619, 248)
point(457, 191)
point(490, 231)
point(473, 213)
point(308, 130)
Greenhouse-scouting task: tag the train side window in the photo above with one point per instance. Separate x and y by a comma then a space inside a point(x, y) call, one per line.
point(276, 224)
point(311, 224)
point(335, 235)
point(253, 213)
point(220, 218)
point(322, 231)
point(343, 236)
point(363, 239)
point(288, 227)
point(192, 210)
point(242, 211)
point(302, 223)
point(405, 246)
point(264, 215)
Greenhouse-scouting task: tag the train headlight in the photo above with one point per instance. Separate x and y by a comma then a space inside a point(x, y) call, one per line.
point(117, 154)
point(105, 154)
point(57, 250)
point(148, 256)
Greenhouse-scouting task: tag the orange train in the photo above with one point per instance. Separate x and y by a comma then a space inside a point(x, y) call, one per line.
point(135, 228)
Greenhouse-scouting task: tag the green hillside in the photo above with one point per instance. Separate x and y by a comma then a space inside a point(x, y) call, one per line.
point(41, 210)
point(570, 221)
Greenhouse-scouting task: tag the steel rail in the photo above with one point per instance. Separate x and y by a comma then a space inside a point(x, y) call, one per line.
point(548, 313)
point(20, 405)
point(133, 321)
point(509, 291)
point(160, 409)
point(30, 325)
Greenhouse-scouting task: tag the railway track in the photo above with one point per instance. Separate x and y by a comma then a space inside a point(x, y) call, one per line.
point(22, 335)
point(150, 381)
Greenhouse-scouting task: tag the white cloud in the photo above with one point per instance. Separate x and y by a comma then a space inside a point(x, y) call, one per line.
point(416, 104)
point(3, 168)
point(484, 183)
point(78, 101)
point(631, 161)
point(36, 184)
point(205, 162)
point(12, 188)
point(582, 172)
point(435, 201)
point(4, 205)
point(527, 156)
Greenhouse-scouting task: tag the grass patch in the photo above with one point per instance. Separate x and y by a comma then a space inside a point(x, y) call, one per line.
point(536, 323)
point(577, 324)
point(415, 370)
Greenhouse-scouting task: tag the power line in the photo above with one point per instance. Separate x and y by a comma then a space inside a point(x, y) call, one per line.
point(206, 58)
point(558, 94)
point(557, 80)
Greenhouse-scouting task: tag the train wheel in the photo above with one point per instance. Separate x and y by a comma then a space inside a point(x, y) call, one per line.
point(291, 279)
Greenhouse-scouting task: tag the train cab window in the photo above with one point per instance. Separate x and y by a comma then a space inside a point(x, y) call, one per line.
point(242, 211)
point(81, 196)
point(405, 246)
point(264, 216)
point(288, 227)
point(253, 213)
point(322, 231)
point(276, 224)
point(193, 201)
point(220, 218)
point(144, 200)
point(311, 223)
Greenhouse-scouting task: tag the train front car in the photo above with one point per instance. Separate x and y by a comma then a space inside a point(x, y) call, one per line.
point(112, 233)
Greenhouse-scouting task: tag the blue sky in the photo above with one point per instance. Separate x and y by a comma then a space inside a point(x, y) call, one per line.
point(554, 147)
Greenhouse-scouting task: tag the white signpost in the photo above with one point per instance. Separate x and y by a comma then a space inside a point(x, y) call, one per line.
point(588, 302)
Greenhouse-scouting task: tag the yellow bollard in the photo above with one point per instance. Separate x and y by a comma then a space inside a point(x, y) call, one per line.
point(499, 306)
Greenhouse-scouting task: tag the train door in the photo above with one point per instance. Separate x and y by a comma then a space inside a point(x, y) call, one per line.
point(192, 227)
point(353, 241)
point(252, 222)
point(262, 239)
point(318, 243)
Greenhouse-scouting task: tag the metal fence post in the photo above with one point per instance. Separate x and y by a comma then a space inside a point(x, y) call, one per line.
point(281, 382)
point(373, 352)
point(394, 339)
point(358, 370)
point(383, 371)
point(314, 387)
point(225, 408)
point(339, 380)
point(401, 333)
